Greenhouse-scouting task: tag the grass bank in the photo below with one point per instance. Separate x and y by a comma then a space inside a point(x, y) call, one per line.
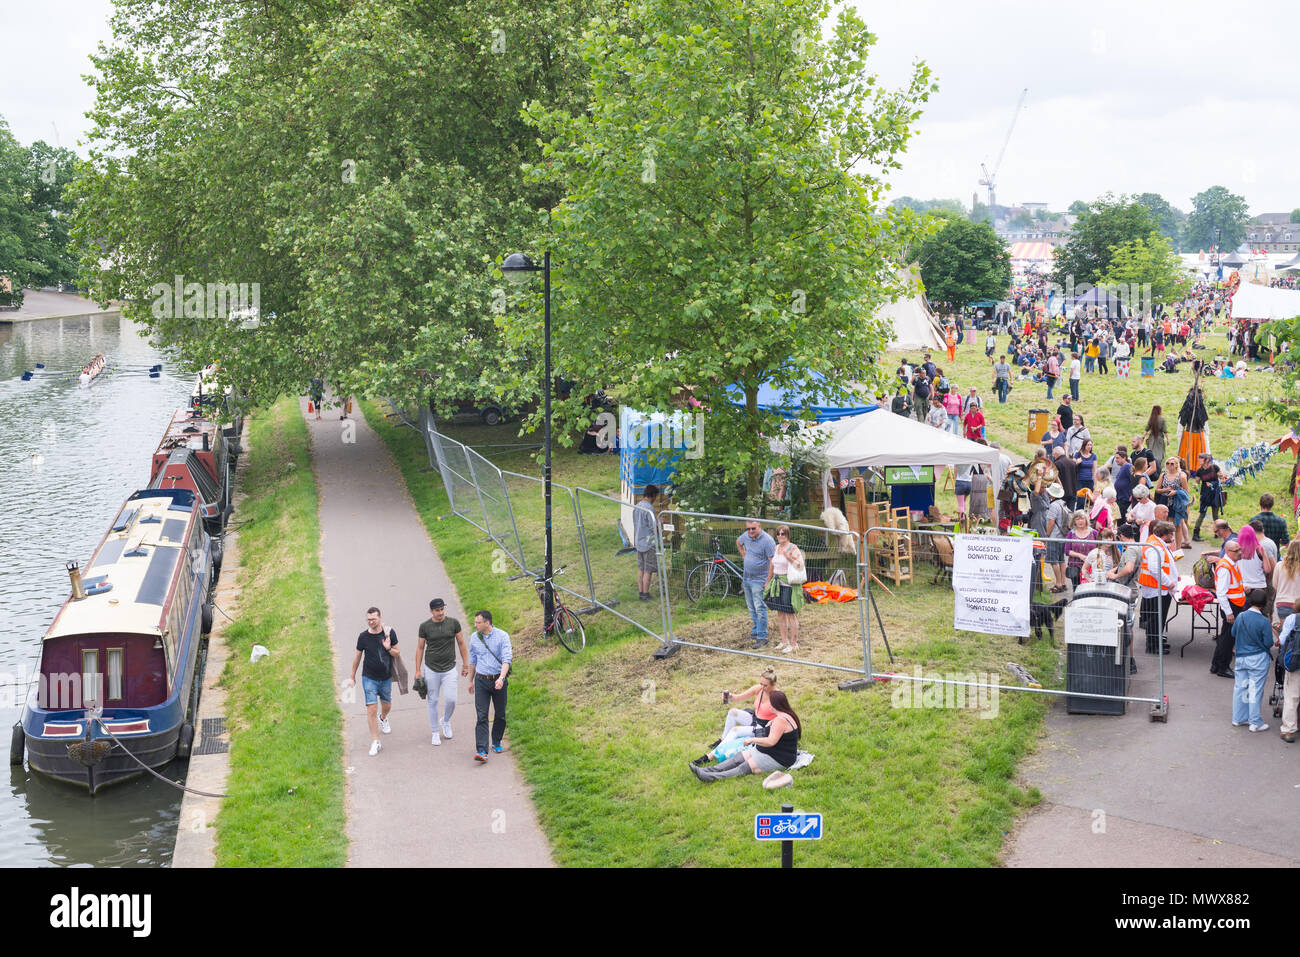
point(604, 737)
point(285, 804)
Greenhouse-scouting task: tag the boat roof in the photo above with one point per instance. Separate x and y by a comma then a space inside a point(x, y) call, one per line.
point(186, 431)
point(139, 557)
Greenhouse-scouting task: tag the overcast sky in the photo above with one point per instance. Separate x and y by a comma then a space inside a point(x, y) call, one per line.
point(1137, 96)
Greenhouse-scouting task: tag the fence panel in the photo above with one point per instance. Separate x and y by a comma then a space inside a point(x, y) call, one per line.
point(709, 608)
point(494, 495)
point(463, 494)
point(528, 505)
point(614, 566)
point(1110, 662)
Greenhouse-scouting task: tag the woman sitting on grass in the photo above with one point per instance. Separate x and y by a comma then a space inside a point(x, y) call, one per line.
point(776, 752)
point(760, 714)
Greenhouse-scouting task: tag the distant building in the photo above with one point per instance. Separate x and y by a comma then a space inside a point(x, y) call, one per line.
point(1271, 219)
point(1281, 237)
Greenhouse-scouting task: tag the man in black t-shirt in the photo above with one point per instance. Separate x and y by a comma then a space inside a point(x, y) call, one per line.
point(1066, 413)
point(435, 652)
point(378, 646)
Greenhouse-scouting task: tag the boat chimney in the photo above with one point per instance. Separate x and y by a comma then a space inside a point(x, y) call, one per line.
point(74, 574)
point(206, 446)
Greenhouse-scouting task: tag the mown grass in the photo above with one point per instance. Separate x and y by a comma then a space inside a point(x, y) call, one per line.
point(1117, 409)
point(285, 804)
point(604, 737)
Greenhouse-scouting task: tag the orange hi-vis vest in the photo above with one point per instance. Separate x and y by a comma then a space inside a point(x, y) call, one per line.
point(1236, 590)
point(1147, 577)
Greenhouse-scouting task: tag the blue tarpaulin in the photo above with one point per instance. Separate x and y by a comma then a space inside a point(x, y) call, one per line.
point(793, 402)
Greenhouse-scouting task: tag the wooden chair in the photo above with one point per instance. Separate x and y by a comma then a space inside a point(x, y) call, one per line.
point(893, 555)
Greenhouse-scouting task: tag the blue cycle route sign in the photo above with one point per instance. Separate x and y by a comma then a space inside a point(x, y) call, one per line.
point(799, 826)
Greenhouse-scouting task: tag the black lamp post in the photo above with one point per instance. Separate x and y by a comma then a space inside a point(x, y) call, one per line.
point(516, 268)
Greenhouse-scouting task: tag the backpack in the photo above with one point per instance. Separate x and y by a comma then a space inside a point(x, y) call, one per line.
point(1291, 650)
point(1203, 573)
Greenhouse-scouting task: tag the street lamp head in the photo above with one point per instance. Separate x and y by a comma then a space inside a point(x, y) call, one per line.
point(517, 266)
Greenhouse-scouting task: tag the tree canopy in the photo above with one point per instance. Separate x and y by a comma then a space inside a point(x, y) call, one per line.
point(1169, 219)
point(725, 232)
point(1151, 266)
point(1217, 212)
point(964, 262)
point(358, 160)
point(1108, 222)
point(35, 213)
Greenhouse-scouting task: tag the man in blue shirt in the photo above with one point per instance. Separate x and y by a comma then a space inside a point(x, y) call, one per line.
point(489, 664)
point(757, 548)
point(1254, 640)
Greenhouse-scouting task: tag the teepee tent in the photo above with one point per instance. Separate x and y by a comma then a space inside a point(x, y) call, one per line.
point(912, 324)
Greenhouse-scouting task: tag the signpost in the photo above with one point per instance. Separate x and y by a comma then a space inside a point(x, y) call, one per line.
point(788, 827)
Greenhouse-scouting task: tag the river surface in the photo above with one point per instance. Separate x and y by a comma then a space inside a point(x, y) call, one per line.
point(69, 456)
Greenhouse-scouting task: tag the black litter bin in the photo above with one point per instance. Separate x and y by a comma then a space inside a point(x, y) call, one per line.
point(1093, 668)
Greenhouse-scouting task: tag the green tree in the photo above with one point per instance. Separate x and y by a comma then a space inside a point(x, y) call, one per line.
point(34, 213)
point(980, 213)
point(935, 206)
point(1077, 208)
point(1284, 405)
point(1169, 219)
point(1217, 212)
point(963, 262)
point(1295, 215)
point(1147, 272)
point(724, 232)
point(359, 160)
point(1109, 222)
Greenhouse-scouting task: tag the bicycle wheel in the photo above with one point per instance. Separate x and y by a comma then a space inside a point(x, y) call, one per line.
point(569, 630)
point(707, 580)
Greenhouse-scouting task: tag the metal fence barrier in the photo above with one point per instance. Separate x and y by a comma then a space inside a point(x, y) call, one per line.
point(900, 578)
point(910, 572)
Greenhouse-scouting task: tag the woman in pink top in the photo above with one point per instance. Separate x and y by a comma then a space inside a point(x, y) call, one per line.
point(952, 405)
point(1286, 580)
point(1080, 541)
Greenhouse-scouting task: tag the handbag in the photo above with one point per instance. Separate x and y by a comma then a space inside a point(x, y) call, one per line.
point(796, 574)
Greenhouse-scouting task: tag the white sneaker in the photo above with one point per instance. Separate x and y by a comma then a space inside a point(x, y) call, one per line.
point(375, 747)
point(384, 726)
point(1259, 727)
point(1240, 724)
point(446, 730)
point(436, 739)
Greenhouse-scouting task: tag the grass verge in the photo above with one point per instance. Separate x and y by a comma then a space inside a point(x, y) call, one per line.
point(604, 737)
point(285, 804)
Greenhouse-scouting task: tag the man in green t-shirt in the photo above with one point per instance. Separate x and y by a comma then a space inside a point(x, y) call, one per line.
point(440, 636)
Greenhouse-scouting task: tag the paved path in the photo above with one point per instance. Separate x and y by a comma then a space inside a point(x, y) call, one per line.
point(413, 804)
point(1195, 792)
point(48, 304)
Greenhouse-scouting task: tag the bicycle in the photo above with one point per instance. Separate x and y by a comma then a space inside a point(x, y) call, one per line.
point(711, 578)
point(564, 624)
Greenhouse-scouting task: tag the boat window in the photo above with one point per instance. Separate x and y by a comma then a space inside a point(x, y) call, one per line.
point(115, 672)
point(90, 676)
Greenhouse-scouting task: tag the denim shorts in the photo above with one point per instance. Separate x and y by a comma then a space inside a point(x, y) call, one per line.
point(377, 690)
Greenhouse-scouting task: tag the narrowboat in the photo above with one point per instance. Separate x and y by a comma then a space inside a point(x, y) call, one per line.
point(193, 454)
point(219, 404)
point(118, 686)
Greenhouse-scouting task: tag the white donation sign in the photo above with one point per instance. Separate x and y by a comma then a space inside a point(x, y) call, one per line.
point(990, 583)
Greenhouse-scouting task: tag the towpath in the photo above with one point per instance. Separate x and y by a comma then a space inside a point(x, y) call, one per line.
point(1196, 792)
point(413, 804)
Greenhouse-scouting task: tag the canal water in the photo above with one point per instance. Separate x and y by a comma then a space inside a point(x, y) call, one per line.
point(69, 457)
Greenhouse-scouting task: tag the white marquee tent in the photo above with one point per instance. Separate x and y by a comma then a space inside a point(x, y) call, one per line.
point(881, 438)
point(1252, 301)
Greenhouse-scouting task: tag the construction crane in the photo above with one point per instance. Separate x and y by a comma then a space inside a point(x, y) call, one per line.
point(990, 179)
